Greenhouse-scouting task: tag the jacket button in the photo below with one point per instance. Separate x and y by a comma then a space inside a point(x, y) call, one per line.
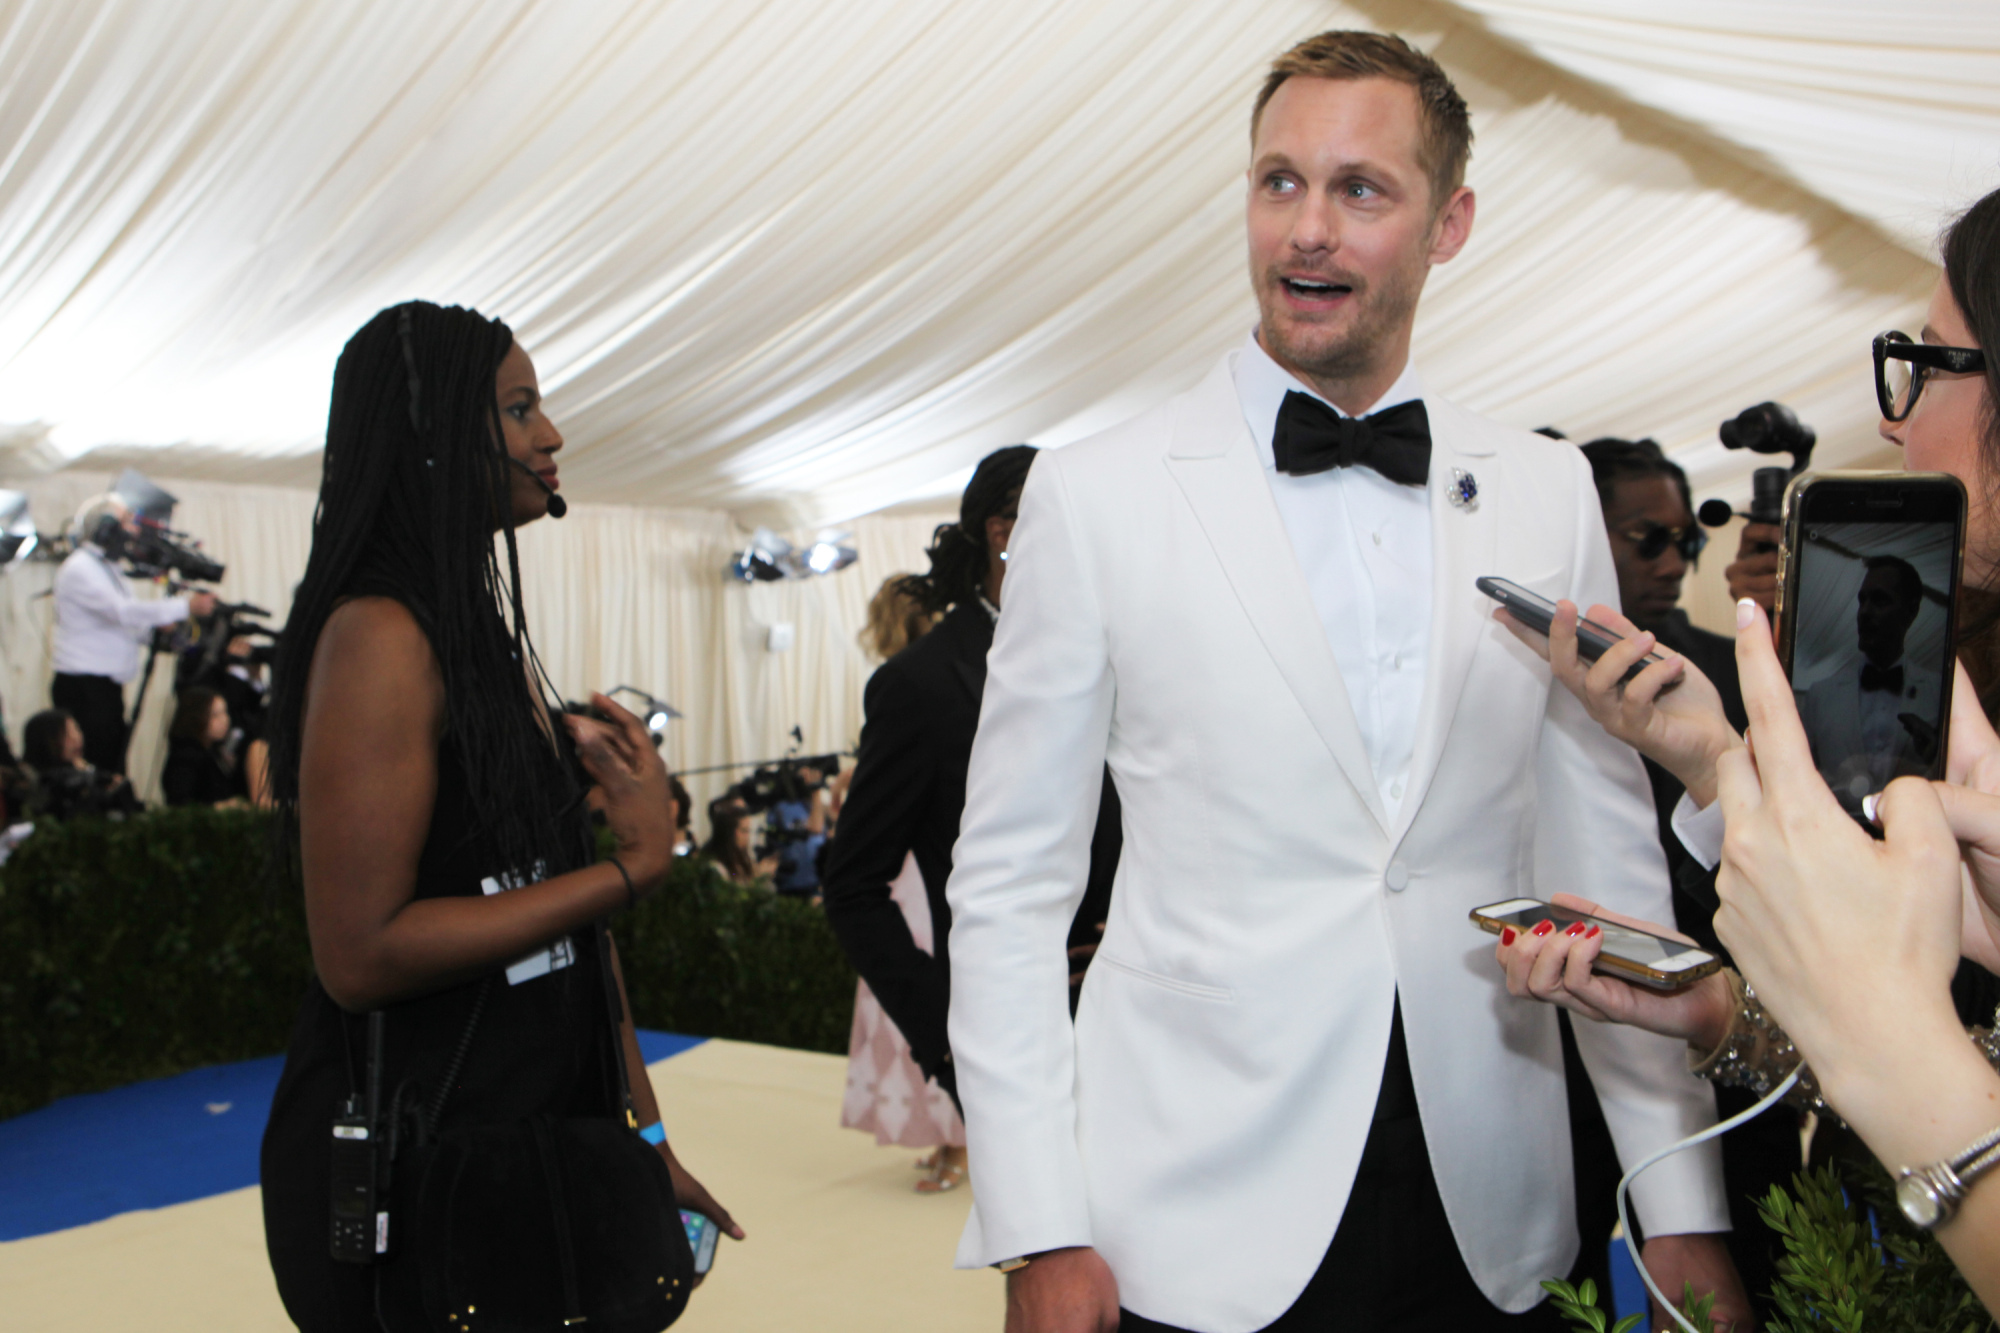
point(1398, 877)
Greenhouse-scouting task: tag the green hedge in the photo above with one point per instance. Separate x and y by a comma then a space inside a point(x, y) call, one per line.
point(140, 949)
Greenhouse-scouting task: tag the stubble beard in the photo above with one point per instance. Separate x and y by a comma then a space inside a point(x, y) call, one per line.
point(1325, 357)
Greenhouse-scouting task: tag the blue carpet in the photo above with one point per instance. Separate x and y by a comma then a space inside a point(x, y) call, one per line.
point(154, 1144)
point(1628, 1290)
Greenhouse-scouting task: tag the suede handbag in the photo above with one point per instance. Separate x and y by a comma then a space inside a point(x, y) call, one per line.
point(545, 1223)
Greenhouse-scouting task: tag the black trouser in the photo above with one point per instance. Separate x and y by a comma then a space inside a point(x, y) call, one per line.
point(1393, 1266)
point(98, 705)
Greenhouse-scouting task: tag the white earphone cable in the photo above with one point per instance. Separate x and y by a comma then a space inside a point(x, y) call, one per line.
point(1713, 1131)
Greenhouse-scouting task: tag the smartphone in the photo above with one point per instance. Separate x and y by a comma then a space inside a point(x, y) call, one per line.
point(1867, 622)
point(701, 1233)
point(1637, 956)
point(1538, 613)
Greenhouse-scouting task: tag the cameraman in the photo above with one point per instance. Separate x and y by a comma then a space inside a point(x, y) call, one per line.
point(99, 627)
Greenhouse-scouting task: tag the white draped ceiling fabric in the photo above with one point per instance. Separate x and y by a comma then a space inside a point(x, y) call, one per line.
point(792, 262)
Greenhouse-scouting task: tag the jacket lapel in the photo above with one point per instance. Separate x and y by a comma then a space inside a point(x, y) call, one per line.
point(1462, 549)
point(1215, 463)
point(972, 635)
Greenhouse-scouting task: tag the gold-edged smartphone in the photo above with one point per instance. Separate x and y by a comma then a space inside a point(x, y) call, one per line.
point(1867, 623)
point(1644, 959)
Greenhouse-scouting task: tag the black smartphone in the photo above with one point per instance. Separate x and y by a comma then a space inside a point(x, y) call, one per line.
point(1638, 956)
point(1538, 613)
point(1867, 622)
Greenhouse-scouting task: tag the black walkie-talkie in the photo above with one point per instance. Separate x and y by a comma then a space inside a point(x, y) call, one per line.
point(360, 1228)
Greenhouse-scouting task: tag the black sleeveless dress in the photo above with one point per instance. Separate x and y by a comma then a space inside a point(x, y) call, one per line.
point(543, 1045)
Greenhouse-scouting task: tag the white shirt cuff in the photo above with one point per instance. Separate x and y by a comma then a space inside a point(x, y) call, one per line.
point(1699, 830)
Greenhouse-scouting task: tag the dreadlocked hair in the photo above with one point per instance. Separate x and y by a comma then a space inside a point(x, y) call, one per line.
point(414, 484)
point(958, 550)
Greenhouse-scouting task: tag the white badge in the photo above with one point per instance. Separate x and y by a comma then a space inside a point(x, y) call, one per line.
point(536, 962)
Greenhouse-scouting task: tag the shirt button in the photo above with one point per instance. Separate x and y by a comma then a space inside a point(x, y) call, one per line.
point(1398, 877)
point(1396, 790)
point(1378, 539)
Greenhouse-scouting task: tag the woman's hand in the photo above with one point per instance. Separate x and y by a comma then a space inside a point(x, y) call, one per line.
point(1972, 771)
point(638, 802)
point(690, 1194)
point(1670, 712)
point(1555, 966)
point(1851, 943)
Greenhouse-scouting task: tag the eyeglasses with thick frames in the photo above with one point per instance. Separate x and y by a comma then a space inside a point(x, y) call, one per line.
point(1653, 539)
point(1901, 366)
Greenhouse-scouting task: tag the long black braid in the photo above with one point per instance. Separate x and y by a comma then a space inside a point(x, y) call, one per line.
point(958, 550)
point(414, 485)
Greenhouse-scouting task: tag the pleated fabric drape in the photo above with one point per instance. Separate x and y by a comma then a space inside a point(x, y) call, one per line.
point(615, 596)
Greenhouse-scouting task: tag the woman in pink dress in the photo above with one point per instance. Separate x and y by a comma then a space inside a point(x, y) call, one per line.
point(888, 1095)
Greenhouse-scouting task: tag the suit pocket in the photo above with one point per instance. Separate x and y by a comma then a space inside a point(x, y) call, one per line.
point(1216, 994)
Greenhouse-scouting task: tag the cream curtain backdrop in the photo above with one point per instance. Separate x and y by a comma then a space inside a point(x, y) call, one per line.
point(810, 259)
point(615, 596)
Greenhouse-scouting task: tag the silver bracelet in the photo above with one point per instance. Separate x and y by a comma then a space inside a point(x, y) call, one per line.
point(1929, 1195)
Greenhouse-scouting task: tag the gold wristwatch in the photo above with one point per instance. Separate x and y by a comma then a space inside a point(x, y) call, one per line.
point(1014, 1265)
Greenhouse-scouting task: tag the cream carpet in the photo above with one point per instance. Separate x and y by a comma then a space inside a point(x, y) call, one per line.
point(838, 1242)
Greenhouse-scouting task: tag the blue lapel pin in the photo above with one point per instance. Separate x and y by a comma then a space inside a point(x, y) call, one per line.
point(1464, 492)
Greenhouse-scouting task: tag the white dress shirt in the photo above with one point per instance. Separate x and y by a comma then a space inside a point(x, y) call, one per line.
point(1364, 543)
point(99, 623)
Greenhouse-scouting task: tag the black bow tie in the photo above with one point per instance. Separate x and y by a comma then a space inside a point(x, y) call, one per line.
point(1312, 437)
point(1887, 679)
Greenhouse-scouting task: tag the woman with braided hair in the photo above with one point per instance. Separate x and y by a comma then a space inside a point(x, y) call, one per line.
point(426, 795)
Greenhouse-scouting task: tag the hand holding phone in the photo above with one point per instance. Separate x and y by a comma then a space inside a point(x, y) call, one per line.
point(1673, 717)
point(1629, 952)
point(1559, 968)
point(1538, 613)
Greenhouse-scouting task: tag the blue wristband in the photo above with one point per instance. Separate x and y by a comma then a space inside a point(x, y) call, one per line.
point(655, 1133)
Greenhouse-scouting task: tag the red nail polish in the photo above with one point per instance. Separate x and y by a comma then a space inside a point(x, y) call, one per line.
point(1575, 928)
point(1592, 933)
point(1506, 935)
point(1545, 928)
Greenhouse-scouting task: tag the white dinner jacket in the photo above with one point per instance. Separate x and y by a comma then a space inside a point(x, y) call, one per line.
point(1201, 1122)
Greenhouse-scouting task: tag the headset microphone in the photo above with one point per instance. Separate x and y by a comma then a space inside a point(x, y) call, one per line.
point(557, 505)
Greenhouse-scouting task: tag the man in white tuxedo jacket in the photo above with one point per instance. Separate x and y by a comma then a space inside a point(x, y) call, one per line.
point(1328, 753)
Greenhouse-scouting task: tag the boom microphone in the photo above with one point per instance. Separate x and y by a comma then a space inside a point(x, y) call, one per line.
point(557, 505)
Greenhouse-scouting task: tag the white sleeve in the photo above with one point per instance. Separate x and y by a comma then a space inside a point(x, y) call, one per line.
point(1018, 872)
point(1699, 830)
point(89, 587)
point(1597, 836)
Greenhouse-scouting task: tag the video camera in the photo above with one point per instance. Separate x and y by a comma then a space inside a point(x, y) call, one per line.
point(1767, 428)
point(785, 780)
point(141, 537)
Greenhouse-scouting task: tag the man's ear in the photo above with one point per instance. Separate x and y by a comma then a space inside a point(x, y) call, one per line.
point(1452, 226)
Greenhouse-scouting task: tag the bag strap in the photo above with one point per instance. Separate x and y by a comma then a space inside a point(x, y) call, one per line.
point(616, 1012)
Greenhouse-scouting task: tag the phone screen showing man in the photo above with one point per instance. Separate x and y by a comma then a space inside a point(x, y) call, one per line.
point(1872, 649)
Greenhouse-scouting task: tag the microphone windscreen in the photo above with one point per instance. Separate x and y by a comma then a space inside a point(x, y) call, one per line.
point(557, 505)
point(1715, 513)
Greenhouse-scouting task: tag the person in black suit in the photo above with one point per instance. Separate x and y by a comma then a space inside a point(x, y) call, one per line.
point(1649, 517)
point(921, 711)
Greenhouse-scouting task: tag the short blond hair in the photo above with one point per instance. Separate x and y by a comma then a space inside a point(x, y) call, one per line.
point(1444, 141)
point(895, 619)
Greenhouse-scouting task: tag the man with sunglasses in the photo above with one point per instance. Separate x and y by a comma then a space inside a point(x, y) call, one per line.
point(1649, 516)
